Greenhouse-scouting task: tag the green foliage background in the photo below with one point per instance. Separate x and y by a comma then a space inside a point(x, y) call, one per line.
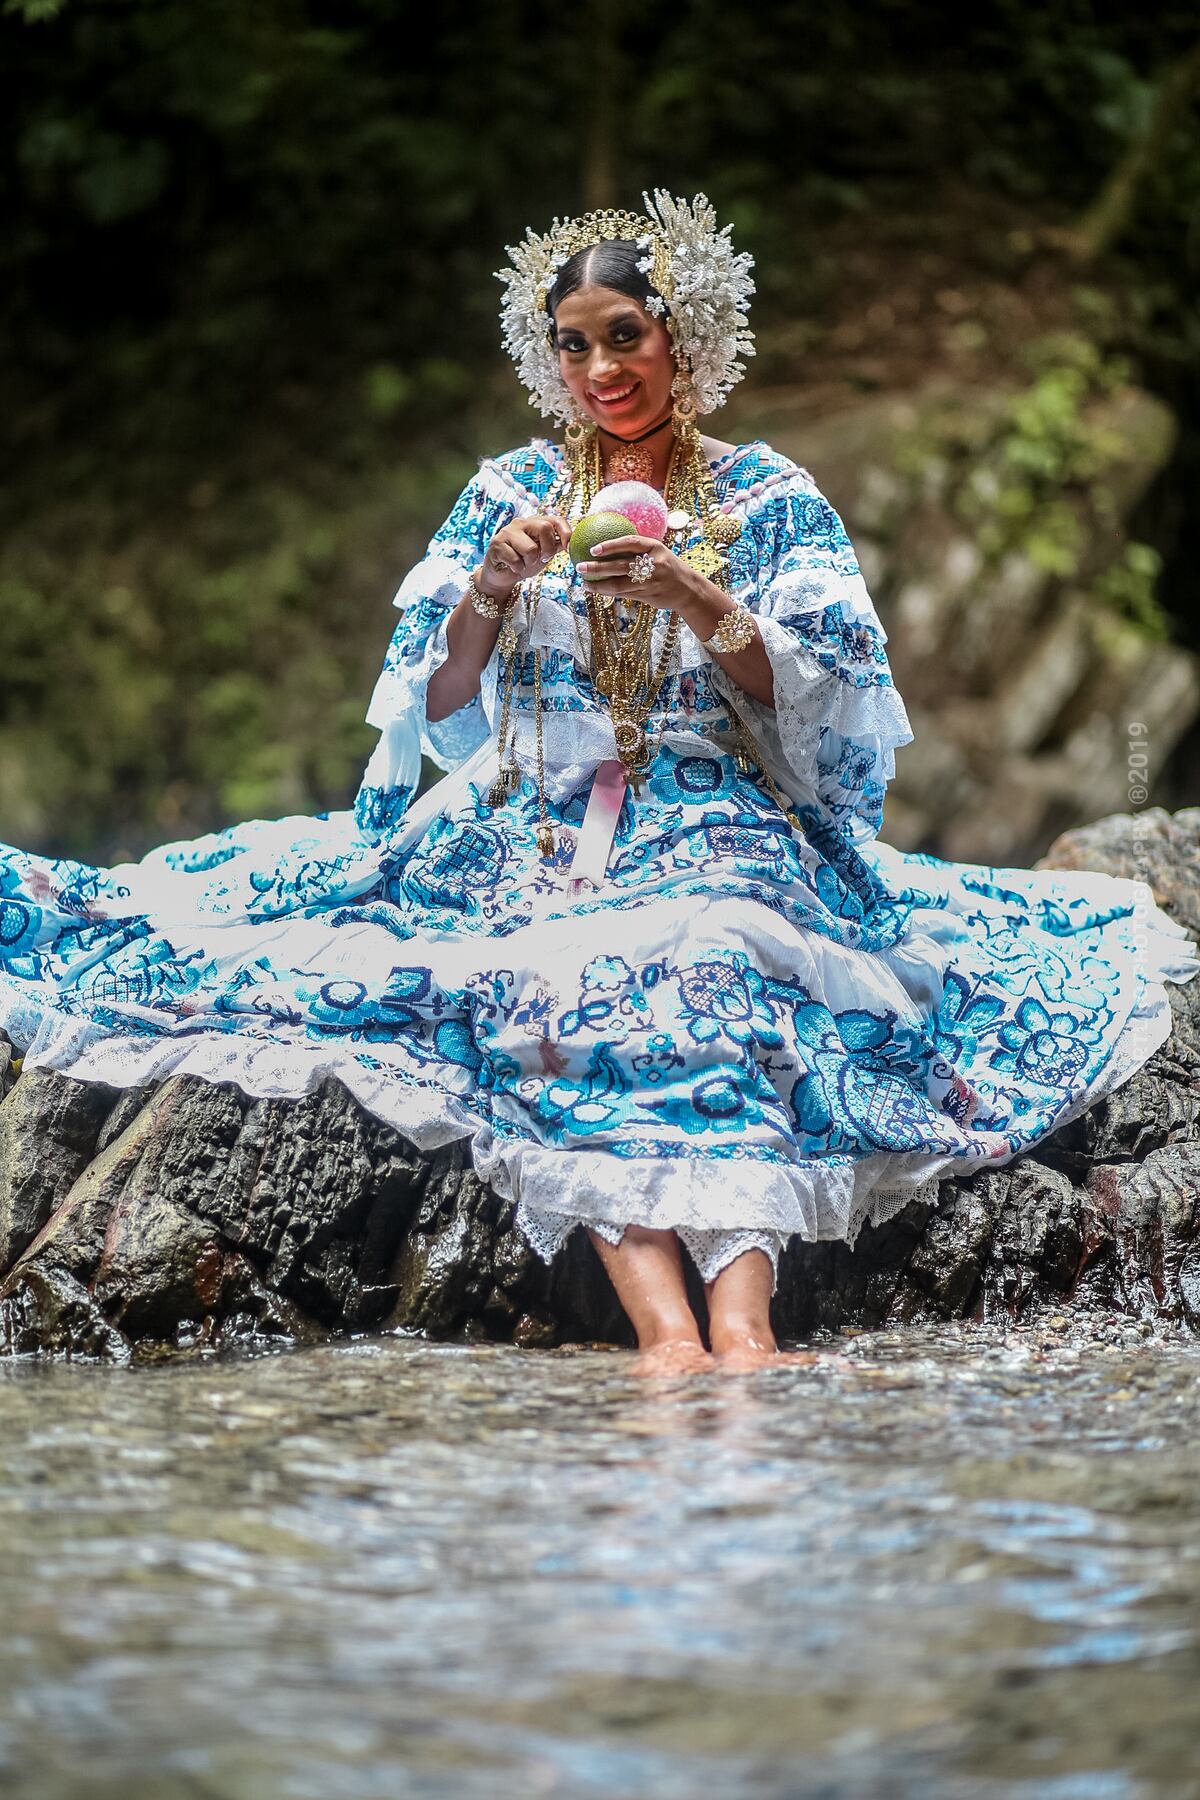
point(248, 317)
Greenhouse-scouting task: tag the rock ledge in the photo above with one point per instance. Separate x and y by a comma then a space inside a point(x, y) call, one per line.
point(164, 1220)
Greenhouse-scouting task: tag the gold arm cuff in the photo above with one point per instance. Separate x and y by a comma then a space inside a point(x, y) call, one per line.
point(734, 632)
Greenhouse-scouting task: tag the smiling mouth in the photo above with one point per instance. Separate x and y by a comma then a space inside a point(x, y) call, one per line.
point(615, 396)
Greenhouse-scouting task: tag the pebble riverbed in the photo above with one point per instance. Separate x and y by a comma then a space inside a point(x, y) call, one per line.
point(951, 1561)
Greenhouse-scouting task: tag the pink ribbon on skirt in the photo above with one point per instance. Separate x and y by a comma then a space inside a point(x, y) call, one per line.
point(590, 861)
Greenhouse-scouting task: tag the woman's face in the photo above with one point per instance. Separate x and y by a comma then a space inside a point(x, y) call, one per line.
point(616, 359)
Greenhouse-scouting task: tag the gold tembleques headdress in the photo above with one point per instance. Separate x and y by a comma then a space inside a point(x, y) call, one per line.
point(702, 285)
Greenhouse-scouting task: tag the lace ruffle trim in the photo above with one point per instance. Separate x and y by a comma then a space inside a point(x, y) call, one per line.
point(710, 1250)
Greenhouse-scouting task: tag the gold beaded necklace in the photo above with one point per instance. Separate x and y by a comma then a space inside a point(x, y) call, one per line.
point(620, 663)
point(619, 655)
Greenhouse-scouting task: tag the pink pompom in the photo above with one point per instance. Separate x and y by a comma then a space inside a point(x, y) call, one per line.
point(639, 502)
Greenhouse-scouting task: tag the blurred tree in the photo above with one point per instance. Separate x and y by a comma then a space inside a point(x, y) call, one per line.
point(608, 82)
point(248, 333)
point(1109, 216)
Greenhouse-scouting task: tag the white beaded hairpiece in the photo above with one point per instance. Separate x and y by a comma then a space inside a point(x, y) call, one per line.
point(700, 282)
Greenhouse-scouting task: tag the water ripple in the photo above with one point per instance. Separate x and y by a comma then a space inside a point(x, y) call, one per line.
point(963, 1562)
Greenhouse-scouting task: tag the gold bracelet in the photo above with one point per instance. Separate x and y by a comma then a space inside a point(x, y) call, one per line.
point(484, 605)
point(734, 632)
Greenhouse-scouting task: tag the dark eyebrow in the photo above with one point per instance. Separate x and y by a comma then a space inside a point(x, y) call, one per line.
point(625, 318)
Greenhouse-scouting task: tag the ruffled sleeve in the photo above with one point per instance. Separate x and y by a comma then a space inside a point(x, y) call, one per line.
point(838, 718)
point(426, 597)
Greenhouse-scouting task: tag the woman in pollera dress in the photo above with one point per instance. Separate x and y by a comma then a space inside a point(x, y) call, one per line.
point(640, 945)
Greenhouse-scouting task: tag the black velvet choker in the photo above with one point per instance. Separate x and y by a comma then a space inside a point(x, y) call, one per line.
point(665, 420)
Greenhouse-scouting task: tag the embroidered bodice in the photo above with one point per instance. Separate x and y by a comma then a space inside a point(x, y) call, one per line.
point(837, 718)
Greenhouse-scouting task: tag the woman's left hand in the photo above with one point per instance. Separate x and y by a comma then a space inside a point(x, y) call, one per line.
point(669, 581)
point(675, 586)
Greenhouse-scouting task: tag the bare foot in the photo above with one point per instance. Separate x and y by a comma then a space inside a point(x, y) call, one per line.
point(672, 1356)
point(741, 1348)
point(747, 1351)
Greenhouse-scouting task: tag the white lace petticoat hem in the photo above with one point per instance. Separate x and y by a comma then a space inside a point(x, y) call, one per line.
point(710, 1250)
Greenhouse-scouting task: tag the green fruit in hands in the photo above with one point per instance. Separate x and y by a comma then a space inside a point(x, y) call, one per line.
point(597, 528)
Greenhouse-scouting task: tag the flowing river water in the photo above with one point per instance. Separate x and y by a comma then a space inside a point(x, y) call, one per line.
point(951, 1561)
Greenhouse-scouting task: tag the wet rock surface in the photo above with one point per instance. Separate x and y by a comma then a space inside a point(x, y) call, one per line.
point(161, 1220)
point(1015, 669)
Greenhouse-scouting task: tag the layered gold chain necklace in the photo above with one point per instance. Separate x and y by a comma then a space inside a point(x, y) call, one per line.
point(620, 659)
point(622, 667)
point(621, 664)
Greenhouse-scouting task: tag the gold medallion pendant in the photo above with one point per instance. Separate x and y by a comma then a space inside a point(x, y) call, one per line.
point(724, 528)
point(631, 462)
point(631, 744)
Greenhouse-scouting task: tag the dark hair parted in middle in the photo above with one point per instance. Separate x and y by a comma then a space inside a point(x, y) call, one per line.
point(611, 264)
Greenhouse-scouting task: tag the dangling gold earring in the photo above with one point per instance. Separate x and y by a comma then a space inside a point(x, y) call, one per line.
point(683, 413)
point(580, 429)
point(683, 418)
point(684, 410)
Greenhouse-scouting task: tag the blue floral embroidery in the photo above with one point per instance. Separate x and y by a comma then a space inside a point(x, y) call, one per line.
point(411, 957)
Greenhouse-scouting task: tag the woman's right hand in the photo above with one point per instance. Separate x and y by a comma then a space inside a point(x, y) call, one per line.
point(521, 550)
